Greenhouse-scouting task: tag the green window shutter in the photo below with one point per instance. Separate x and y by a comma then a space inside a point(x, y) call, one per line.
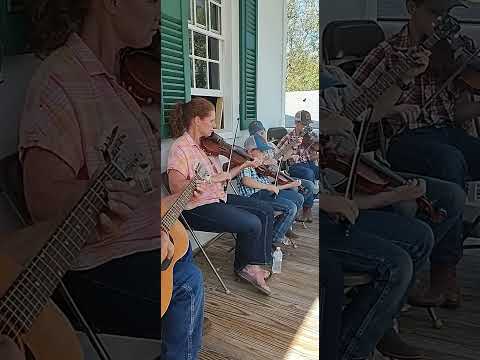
point(175, 63)
point(13, 27)
point(248, 62)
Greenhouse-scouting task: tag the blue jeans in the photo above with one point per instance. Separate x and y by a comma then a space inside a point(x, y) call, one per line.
point(445, 153)
point(391, 248)
point(305, 170)
point(287, 202)
point(308, 192)
point(182, 323)
point(250, 219)
point(331, 300)
point(448, 249)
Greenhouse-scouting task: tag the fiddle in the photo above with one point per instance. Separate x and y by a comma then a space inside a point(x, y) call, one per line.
point(140, 74)
point(373, 178)
point(215, 145)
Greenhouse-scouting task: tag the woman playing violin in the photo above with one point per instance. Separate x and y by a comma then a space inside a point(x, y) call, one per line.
point(214, 210)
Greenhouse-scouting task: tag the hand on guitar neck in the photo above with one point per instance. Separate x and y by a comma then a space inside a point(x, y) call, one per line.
point(8, 349)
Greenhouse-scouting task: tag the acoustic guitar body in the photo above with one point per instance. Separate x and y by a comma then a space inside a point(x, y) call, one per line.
point(51, 337)
point(179, 237)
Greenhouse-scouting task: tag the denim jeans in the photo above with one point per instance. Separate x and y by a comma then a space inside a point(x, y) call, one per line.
point(308, 192)
point(448, 249)
point(122, 297)
point(445, 153)
point(331, 300)
point(251, 219)
point(183, 322)
point(391, 248)
point(287, 202)
point(305, 170)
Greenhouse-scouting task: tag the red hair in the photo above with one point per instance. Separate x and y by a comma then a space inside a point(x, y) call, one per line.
point(182, 115)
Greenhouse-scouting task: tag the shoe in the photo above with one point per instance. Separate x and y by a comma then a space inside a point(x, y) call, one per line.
point(392, 345)
point(307, 215)
point(444, 290)
point(290, 234)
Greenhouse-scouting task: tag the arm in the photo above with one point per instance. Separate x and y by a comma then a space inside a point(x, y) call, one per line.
point(248, 181)
point(375, 201)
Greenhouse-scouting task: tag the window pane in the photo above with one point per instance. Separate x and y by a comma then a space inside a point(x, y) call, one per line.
point(214, 76)
point(200, 43)
point(215, 16)
point(191, 73)
point(190, 42)
point(201, 12)
point(213, 45)
point(201, 74)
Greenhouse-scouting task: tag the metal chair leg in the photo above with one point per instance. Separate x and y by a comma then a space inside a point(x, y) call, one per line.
point(437, 322)
point(227, 291)
point(92, 336)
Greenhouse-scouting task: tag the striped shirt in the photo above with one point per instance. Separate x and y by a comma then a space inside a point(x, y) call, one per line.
point(72, 104)
point(184, 157)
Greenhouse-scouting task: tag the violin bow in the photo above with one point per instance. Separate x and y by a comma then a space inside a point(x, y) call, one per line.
point(352, 176)
point(278, 171)
point(231, 151)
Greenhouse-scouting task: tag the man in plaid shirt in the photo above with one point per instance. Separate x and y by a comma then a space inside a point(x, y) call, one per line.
point(431, 143)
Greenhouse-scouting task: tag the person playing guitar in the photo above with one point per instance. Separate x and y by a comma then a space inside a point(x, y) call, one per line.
point(74, 99)
point(430, 140)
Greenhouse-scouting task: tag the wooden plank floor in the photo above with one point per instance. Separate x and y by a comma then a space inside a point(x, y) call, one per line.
point(247, 325)
point(459, 339)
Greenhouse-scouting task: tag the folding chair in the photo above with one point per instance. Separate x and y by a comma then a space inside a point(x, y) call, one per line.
point(275, 134)
point(164, 178)
point(11, 186)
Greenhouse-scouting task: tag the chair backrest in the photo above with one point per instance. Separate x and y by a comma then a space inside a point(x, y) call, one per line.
point(345, 43)
point(275, 134)
point(11, 182)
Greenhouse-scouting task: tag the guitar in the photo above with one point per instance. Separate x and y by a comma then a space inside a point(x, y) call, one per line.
point(48, 250)
point(178, 236)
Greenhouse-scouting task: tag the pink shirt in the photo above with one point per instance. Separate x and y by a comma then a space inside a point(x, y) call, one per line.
point(184, 157)
point(71, 105)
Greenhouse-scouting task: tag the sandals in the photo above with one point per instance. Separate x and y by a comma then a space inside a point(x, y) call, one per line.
point(250, 279)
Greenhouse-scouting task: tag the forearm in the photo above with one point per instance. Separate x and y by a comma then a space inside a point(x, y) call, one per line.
point(249, 182)
point(287, 186)
point(236, 170)
point(375, 201)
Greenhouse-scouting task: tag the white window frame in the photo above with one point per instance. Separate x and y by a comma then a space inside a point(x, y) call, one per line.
point(199, 28)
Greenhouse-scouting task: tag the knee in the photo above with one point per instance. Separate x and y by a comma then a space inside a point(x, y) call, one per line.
point(194, 281)
point(452, 165)
point(253, 224)
point(398, 269)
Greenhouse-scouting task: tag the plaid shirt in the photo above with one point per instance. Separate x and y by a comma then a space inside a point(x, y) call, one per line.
point(251, 173)
point(441, 111)
point(304, 156)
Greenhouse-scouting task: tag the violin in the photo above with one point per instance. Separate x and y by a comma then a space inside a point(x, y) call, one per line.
point(373, 178)
point(140, 74)
point(215, 145)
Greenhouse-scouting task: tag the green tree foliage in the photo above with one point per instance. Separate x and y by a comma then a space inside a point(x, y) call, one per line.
point(303, 40)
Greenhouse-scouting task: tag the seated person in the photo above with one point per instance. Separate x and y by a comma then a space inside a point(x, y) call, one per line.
point(281, 197)
point(448, 250)
point(73, 102)
point(214, 210)
point(256, 127)
point(391, 248)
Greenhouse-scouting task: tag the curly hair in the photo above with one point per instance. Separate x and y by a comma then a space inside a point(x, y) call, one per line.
point(182, 115)
point(53, 21)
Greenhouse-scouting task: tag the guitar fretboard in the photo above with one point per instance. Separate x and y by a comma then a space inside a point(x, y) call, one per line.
point(32, 289)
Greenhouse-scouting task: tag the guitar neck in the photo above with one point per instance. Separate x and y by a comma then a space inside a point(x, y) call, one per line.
point(32, 289)
point(172, 214)
point(370, 95)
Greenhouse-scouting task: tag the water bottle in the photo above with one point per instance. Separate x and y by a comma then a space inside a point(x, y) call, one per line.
point(277, 261)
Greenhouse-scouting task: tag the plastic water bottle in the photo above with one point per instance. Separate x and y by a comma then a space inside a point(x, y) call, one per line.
point(277, 261)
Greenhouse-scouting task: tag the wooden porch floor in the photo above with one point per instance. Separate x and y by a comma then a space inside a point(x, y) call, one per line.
point(459, 339)
point(247, 325)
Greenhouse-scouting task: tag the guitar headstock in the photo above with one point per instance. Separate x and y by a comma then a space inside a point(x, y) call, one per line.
point(446, 27)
